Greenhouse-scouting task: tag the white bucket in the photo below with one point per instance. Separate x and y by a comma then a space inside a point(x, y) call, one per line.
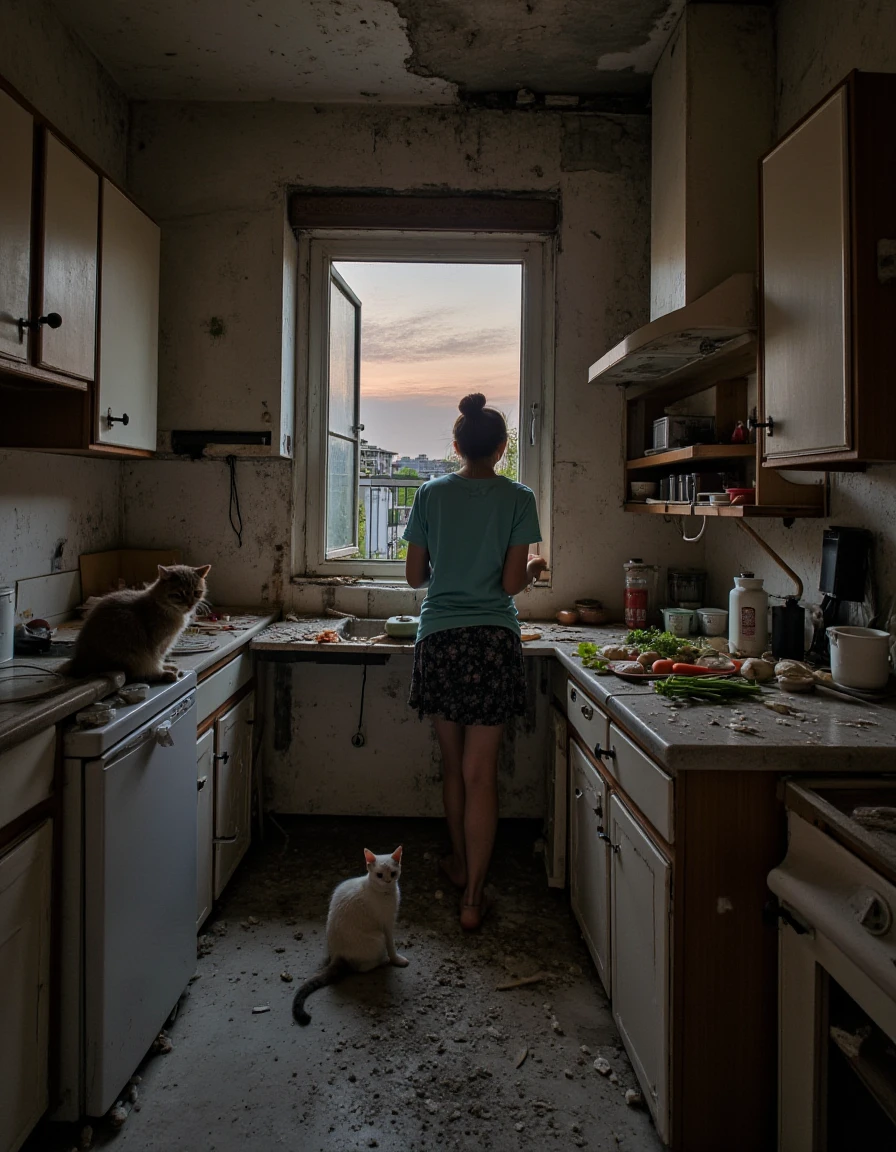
point(860, 657)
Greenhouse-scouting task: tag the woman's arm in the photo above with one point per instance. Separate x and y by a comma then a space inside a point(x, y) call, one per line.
point(416, 566)
point(520, 568)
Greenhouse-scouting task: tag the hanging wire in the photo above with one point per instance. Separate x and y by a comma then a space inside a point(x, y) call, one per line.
point(236, 517)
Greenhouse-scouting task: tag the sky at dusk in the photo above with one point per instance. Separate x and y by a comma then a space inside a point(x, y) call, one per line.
point(431, 333)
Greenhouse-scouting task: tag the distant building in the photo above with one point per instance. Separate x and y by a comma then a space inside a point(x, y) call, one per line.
point(375, 461)
point(424, 467)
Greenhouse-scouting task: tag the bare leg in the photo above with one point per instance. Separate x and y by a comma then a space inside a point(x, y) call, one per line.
point(482, 743)
point(451, 743)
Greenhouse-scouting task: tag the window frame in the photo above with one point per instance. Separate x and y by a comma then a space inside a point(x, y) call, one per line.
point(318, 250)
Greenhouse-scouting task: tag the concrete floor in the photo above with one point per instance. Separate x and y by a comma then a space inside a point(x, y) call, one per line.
point(399, 1059)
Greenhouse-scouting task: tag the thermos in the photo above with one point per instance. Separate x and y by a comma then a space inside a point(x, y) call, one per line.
point(748, 616)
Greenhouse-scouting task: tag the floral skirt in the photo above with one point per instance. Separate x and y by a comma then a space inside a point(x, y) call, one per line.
point(469, 675)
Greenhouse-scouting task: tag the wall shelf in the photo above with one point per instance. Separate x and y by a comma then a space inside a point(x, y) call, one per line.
point(696, 452)
point(735, 511)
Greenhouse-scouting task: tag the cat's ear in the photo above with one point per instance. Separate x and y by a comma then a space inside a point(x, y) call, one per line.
point(396, 855)
point(369, 856)
point(164, 572)
point(203, 571)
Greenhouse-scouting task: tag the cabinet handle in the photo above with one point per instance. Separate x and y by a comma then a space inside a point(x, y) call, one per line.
point(112, 420)
point(223, 757)
point(604, 836)
point(579, 793)
point(201, 783)
point(573, 695)
point(52, 320)
point(604, 753)
point(587, 711)
point(768, 425)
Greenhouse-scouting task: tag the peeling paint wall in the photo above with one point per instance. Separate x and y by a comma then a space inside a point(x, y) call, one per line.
point(819, 42)
point(48, 501)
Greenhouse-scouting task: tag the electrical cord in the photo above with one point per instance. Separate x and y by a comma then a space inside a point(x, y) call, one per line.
point(358, 738)
point(236, 517)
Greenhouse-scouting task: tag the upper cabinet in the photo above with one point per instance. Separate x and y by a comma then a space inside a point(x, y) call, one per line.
point(828, 282)
point(69, 229)
point(17, 133)
point(79, 300)
point(127, 380)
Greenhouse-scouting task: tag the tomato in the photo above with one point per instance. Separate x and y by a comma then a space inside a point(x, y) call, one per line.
point(662, 666)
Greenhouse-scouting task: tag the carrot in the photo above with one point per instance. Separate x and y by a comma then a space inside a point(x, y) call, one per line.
point(692, 670)
point(662, 666)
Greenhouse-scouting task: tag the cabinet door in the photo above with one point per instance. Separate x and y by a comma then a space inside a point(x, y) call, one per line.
point(70, 221)
point(17, 134)
point(25, 876)
point(555, 803)
point(805, 268)
point(589, 871)
point(233, 784)
point(127, 384)
point(205, 798)
point(640, 938)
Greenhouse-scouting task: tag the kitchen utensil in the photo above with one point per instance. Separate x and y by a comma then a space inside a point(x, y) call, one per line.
point(860, 657)
point(747, 616)
point(678, 621)
point(641, 489)
point(687, 587)
point(713, 621)
point(403, 627)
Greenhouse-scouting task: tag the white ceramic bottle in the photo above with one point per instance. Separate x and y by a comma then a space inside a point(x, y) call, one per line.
point(748, 616)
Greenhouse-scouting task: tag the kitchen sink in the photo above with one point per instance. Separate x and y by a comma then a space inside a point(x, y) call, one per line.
point(361, 629)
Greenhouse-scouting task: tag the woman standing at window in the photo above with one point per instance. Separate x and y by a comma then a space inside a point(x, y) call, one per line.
point(468, 537)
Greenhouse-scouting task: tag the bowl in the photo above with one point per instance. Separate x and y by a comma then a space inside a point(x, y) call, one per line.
point(567, 616)
point(641, 489)
point(742, 495)
point(591, 612)
point(402, 626)
point(678, 621)
point(713, 621)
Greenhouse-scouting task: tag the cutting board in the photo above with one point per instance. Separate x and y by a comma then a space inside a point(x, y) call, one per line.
point(52, 598)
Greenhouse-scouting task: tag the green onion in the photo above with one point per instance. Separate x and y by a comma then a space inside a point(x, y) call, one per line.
point(713, 688)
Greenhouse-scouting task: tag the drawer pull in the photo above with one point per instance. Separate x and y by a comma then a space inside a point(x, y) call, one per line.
point(201, 783)
point(223, 757)
point(573, 695)
point(604, 753)
point(587, 711)
point(579, 793)
point(604, 836)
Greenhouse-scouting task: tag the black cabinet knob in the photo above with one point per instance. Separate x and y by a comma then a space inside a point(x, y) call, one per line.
point(52, 320)
point(768, 425)
point(112, 420)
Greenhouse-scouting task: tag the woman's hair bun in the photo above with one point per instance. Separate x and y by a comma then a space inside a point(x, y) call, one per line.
point(472, 404)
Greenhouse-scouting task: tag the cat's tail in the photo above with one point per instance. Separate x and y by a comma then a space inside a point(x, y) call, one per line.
point(333, 971)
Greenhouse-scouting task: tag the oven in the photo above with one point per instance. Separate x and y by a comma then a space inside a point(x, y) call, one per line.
point(836, 893)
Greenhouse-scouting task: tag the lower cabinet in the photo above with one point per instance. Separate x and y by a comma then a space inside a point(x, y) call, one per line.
point(205, 824)
point(233, 789)
point(25, 887)
point(640, 878)
point(589, 865)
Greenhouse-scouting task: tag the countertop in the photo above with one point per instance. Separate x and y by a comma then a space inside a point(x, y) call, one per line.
point(33, 675)
point(824, 733)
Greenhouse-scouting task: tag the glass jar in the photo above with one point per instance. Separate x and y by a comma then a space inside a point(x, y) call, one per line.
point(636, 593)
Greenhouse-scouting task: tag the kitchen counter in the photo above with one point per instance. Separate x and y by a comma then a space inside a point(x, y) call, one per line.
point(21, 718)
point(824, 734)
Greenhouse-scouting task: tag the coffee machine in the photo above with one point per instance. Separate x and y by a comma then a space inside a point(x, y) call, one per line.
point(845, 567)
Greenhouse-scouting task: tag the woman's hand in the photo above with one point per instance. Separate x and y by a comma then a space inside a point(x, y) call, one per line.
point(535, 565)
point(521, 567)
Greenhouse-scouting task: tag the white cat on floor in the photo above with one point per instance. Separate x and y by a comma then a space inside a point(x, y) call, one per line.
point(360, 927)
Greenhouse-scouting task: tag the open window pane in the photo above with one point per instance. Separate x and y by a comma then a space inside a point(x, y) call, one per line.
point(344, 322)
point(342, 488)
point(343, 420)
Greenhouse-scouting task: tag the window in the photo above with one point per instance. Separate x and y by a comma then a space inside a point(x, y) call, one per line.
point(470, 313)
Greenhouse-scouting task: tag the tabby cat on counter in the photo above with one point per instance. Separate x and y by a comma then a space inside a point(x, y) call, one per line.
point(133, 631)
point(360, 927)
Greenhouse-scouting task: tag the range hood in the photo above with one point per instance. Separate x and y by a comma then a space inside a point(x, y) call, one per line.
point(721, 322)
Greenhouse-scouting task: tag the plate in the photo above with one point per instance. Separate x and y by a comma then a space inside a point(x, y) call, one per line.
point(635, 678)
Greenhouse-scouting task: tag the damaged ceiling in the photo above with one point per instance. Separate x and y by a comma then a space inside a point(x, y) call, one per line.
point(383, 51)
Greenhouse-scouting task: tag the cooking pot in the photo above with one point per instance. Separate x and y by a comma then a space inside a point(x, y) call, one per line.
point(860, 657)
point(403, 626)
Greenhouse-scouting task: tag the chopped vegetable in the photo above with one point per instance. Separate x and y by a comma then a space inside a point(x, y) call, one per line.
point(691, 669)
point(714, 688)
point(663, 667)
point(591, 658)
point(652, 640)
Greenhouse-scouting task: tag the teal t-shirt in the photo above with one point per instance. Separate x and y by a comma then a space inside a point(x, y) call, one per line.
point(467, 527)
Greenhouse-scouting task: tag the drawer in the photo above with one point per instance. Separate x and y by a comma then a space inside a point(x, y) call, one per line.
point(586, 717)
point(646, 785)
point(26, 775)
point(223, 684)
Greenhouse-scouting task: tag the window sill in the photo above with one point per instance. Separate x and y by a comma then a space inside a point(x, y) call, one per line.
point(351, 582)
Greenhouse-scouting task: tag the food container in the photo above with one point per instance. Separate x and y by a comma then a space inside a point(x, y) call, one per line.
point(687, 587)
point(713, 621)
point(641, 489)
point(678, 621)
point(741, 495)
point(7, 623)
point(860, 657)
point(591, 612)
point(402, 626)
point(567, 616)
point(748, 616)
